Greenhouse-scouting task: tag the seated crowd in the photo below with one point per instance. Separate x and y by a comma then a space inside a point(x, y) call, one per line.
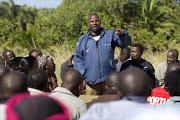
point(135, 90)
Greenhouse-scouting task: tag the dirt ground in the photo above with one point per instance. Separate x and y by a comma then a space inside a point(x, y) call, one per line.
point(88, 98)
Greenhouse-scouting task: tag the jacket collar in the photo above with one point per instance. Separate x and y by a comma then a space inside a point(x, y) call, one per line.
point(139, 99)
point(69, 62)
point(101, 29)
point(63, 90)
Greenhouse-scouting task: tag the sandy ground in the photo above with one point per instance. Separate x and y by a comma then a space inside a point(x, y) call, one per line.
point(88, 98)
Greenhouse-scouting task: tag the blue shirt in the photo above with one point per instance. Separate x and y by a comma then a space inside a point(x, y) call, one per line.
point(125, 109)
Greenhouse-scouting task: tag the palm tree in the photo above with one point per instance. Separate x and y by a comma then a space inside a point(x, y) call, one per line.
point(155, 15)
point(9, 10)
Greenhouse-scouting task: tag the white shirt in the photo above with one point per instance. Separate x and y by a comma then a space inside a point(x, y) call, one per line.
point(76, 106)
point(33, 91)
point(2, 111)
point(96, 38)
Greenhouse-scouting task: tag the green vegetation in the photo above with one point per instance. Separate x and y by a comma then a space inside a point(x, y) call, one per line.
point(154, 23)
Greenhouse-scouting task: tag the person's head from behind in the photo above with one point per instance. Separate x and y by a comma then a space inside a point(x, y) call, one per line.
point(172, 82)
point(172, 67)
point(125, 54)
point(94, 23)
point(172, 56)
point(134, 82)
point(13, 83)
point(35, 53)
point(26, 107)
point(111, 83)
point(3, 71)
point(37, 79)
point(8, 56)
point(28, 64)
point(46, 63)
point(73, 81)
point(136, 52)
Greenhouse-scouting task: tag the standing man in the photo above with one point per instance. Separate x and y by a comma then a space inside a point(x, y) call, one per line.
point(172, 57)
point(94, 53)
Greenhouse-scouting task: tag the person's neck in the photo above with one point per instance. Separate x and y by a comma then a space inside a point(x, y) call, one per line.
point(93, 34)
point(138, 60)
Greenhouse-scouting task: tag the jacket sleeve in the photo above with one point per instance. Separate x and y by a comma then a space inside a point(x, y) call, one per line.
point(79, 58)
point(122, 40)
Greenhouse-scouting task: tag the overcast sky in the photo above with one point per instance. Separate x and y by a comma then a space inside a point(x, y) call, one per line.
point(38, 3)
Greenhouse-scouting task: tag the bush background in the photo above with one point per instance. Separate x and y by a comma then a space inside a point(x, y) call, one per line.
point(153, 23)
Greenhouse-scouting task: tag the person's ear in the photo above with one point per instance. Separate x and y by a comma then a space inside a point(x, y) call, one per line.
point(106, 87)
point(62, 83)
point(80, 89)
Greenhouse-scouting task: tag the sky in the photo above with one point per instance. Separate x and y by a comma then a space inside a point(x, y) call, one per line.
point(38, 3)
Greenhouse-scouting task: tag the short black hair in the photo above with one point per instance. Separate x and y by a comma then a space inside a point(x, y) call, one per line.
point(33, 51)
point(92, 14)
point(140, 46)
point(3, 71)
point(172, 82)
point(37, 79)
point(5, 52)
point(126, 51)
point(137, 85)
point(27, 63)
point(13, 83)
point(174, 51)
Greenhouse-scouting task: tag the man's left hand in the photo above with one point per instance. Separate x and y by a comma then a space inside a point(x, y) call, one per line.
point(119, 31)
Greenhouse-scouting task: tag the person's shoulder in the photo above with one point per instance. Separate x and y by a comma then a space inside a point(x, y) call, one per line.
point(148, 62)
point(128, 61)
point(82, 39)
point(65, 63)
point(65, 94)
point(84, 35)
point(109, 31)
point(162, 64)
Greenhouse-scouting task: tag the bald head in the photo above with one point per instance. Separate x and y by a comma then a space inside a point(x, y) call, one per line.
point(172, 67)
point(73, 81)
point(134, 82)
point(112, 80)
point(8, 55)
point(3, 71)
point(13, 83)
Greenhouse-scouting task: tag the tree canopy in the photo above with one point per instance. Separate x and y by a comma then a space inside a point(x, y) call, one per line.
point(154, 23)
